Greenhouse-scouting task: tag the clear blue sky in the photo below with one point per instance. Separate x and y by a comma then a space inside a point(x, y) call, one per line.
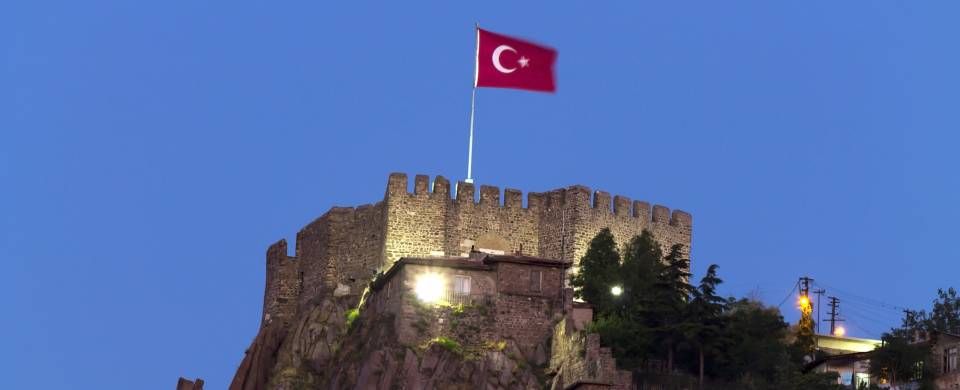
point(150, 151)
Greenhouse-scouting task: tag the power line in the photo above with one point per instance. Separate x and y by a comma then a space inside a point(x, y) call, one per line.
point(857, 317)
point(872, 310)
point(789, 294)
point(872, 300)
point(861, 323)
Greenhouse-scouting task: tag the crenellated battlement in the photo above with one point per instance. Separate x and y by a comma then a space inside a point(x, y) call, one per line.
point(340, 251)
point(398, 184)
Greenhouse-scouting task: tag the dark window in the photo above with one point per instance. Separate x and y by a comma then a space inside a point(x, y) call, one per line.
point(536, 281)
point(950, 359)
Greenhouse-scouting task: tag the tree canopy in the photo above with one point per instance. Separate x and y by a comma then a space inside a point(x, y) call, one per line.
point(660, 315)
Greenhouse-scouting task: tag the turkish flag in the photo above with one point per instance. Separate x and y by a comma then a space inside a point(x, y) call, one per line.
point(506, 62)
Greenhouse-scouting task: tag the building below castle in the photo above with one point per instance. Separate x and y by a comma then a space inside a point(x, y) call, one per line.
point(475, 304)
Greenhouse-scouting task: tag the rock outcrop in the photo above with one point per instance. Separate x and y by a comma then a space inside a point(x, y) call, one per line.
point(322, 351)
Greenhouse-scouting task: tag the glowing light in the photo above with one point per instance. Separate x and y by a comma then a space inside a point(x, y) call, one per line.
point(804, 301)
point(839, 331)
point(429, 287)
point(616, 291)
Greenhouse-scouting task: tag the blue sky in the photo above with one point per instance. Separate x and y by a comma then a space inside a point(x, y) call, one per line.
point(149, 152)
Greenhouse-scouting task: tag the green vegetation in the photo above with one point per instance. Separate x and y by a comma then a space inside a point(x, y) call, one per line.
point(448, 344)
point(659, 315)
point(901, 359)
point(495, 345)
point(351, 316)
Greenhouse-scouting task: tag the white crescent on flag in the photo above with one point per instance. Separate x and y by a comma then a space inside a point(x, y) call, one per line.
point(496, 58)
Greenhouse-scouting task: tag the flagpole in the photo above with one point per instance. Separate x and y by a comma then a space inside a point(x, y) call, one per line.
point(473, 101)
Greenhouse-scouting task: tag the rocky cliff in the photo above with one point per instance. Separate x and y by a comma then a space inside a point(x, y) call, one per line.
point(323, 349)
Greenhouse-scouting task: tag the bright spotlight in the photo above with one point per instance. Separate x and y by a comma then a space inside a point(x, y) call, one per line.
point(839, 331)
point(804, 301)
point(616, 291)
point(429, 287)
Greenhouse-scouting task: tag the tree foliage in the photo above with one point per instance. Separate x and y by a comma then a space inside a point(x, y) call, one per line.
point(906, 353)
point(599, 270)
point(660, 315)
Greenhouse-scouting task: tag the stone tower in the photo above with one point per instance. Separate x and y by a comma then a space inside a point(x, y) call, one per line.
point(339, 252)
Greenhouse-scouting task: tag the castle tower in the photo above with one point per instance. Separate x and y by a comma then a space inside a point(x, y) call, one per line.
point(339, 252)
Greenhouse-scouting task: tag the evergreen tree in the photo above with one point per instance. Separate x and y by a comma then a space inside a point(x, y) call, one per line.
point(599, 271)
point(671, 294)
point(705, 324)
point(756, 354)
point(642, 263)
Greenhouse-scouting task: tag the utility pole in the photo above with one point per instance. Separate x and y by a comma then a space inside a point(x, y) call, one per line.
point(819, 293)
point(805, 286)
point(834, 314)
point(805, 336)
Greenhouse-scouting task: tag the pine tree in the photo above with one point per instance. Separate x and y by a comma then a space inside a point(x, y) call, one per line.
point(671, 294)
point(705, 323)
point(599, 271)
point(642, 263)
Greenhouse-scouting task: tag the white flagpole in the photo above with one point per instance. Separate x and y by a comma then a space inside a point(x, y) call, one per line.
point(473, 100)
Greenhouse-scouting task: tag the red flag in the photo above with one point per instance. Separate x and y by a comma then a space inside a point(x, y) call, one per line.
point(506, 62)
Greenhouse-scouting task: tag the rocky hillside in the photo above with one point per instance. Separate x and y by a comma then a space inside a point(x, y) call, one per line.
point(325, 349)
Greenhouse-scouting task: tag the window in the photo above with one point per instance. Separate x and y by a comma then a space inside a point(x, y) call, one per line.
point(950, 359)
point(536, 281)
point(461, 285)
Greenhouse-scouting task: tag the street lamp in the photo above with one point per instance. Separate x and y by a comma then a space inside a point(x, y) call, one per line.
point(616, 291)
point(429, 287)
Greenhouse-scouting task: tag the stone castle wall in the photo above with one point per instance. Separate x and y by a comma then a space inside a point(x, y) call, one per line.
point(339, 252)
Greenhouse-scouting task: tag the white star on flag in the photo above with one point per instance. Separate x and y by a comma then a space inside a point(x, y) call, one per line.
point(524, 61)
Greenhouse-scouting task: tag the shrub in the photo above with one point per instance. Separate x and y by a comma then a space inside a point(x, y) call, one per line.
point(448, 344)
point(352, 315)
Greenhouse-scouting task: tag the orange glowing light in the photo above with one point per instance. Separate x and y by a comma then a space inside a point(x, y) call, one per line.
point(839, 332)
point(804, 301)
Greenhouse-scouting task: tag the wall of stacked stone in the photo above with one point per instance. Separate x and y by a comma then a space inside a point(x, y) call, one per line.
point(558, 224)
point(282, 284)
point(524, 315)
point(346, 246)
point(578, 357)
point(416, 322)
point(342, 247)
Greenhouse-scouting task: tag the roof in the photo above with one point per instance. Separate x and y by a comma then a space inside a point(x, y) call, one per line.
point(847, 357)
point(477, 261)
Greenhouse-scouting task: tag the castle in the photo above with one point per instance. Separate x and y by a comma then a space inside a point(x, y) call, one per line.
point(342, 250)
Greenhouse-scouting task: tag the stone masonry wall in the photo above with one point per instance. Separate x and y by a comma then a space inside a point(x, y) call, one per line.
point(558, 224)
point(417, 322)
point(344, 248)
point(526, 316)
point(577, 357)
point(283, 284)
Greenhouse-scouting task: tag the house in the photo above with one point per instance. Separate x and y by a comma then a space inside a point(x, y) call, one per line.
point(849, 357)
point(517, 297)
point(945, 351)
point(488, 302)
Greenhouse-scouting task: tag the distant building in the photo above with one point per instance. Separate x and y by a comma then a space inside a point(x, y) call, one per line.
point(945, 351)
point(186, 384)
point(849, 357)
